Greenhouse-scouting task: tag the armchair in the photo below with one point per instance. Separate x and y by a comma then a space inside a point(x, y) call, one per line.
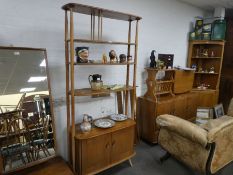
point(206, 148)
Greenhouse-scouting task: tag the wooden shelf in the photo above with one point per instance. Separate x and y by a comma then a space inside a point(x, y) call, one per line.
point(89, 92)
point(100, 42)
point(164, 92)
point(206, 57)
point(196, 89)
point(163, 82)
point(90, 10)
point(154, 69)
point(206, 73)
point(103, 64)
point(200, 42)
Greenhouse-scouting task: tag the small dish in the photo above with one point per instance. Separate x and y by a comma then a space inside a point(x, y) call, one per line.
point(104, 123)
point(118, 117)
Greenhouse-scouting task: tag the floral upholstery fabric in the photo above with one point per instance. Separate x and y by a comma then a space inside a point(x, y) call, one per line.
point(183, 149)
point(189, 142)
point(183, 128)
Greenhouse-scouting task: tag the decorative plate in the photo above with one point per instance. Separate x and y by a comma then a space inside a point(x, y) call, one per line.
point(118, 117)
point(104, 123)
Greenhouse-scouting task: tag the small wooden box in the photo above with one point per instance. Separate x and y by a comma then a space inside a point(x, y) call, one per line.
point(183, 81)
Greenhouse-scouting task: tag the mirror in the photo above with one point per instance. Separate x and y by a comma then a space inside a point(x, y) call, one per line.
point(26, 109)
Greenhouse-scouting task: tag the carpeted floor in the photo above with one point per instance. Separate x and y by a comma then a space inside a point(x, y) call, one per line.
point(146, 163)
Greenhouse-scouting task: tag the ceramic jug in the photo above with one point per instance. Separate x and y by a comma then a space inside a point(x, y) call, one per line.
point(85, 125)
point(96, 83)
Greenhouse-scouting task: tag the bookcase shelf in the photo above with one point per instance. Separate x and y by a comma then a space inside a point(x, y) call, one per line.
point(124, 95)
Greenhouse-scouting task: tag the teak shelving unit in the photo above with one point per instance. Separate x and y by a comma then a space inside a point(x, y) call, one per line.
point(206, 62)
point(96, 14)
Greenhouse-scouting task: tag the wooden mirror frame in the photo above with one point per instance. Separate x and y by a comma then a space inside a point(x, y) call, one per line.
point(51, 110)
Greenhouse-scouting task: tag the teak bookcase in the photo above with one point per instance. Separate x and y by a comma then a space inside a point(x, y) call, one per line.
point(96, 14)
point(213, 58)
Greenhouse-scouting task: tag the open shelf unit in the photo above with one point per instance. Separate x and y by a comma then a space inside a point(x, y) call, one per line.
point(123, 94)
point(212, 59)
point(206, 56)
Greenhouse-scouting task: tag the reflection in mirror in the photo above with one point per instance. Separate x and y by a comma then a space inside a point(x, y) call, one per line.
point(26, 117)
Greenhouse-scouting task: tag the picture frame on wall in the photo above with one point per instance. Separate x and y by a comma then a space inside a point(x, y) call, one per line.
point(218, 110)
point(167, 59)
point(203, 115)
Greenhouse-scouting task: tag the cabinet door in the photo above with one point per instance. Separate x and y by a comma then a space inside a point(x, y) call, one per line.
point(180, 105)
point(207, 98)
point(122, 144)
point(96, 153)
point(146, 119)
point(192, 100)
point(164, 107)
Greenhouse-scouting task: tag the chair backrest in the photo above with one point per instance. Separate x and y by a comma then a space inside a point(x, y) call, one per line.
point(230, 108)
point(19, 105)
point(15, 132)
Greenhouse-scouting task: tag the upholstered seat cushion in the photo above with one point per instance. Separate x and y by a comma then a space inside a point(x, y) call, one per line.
point(14, 149)
point(216, 125)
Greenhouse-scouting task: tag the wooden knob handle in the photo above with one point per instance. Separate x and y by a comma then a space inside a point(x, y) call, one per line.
point(113, 142)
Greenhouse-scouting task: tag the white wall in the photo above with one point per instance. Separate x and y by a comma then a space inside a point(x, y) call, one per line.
point(32, 23)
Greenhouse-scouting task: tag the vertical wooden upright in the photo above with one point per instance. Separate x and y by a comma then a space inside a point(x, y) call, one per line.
point(67, 83)
point(72, 87)
point(133, 108)
point(127, 71)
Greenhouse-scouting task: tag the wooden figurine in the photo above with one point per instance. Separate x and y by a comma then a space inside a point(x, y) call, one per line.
point(104, 58)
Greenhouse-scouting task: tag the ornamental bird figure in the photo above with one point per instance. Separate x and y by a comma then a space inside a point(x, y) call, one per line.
point(152, 59)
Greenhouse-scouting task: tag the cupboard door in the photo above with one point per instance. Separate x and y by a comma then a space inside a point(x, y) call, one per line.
point(122, 144)
point(96, 153)
point(207, 98)
point(164, 107)
point(192, 100)
point(146, 119)
point(180, 106)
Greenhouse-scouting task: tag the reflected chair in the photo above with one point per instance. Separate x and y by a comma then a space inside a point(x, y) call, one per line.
point(206, 148)
point(1, 110)
point(37, 132)
point(15, 145)
point(17, 107)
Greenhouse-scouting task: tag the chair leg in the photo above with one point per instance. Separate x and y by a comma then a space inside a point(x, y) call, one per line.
point(47, 150)
point(165, 157)
point(130, 162)
point(22, 158)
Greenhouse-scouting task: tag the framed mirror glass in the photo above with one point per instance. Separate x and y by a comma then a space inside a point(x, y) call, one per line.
point(27, 135)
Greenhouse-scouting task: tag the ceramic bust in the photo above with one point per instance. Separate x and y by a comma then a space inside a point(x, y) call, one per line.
point(112, 56)
point(82, 54)
point(122, 58)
